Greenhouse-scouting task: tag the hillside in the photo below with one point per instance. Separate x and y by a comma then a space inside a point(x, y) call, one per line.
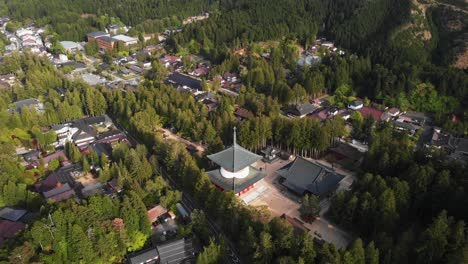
point(436, 32)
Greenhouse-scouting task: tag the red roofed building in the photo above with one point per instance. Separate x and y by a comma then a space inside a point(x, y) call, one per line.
point(369, 111)
point(9, 229)
point(155, 212)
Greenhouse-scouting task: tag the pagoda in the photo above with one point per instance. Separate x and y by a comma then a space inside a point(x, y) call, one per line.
point(236, 172)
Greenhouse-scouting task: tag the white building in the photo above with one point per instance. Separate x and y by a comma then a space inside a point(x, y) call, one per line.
point(126, 39)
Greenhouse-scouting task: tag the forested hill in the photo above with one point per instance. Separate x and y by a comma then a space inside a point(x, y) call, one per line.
point(131, 12)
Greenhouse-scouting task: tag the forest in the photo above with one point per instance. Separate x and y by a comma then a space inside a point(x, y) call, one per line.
point(405, 205)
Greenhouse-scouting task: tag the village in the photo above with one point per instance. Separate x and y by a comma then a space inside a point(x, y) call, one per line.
point(273, 178)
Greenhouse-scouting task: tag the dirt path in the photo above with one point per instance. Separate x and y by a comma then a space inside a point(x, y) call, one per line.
point(167, 134)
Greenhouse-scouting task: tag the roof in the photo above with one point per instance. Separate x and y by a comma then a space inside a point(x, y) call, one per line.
point(70, 45)
point(108, 39)
point(54, 156)
point(355, 103)
point(235, 184)
point(115, 26)
point(405, 125)
point(204, 96)
point(394, 111)
point(348, 151)
point(102, 148)
point(143, 256)
point(369, 111)
point(9, 229)
point(61, 189)
point(47, 184)
point(97, 34)
point(459, 144)
point(234, 158)
point(184, 80)
point(155, 212)
point(124, 38)
point(176, 251)
point(12, 214)
point(242, 112)
point(304, 109)
point(92, 189)
point(26, 102)
point(307, 176)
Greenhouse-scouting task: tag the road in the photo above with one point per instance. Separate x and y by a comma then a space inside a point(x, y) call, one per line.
point(169, 135)
point(189, 203)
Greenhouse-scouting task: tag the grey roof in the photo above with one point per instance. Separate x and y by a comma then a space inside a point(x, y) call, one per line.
point(184, 80)
point(235, 184)
point(64, 188)
point(406, 125)
point(115, 26)
point(204, 96)
point(356, 103)
point(70, 45)
point(108, 39)
point(92, 189)
point(26, 102)
point(304, 109)
point(12, 214)
point(234, 158)
point(458, 144)
point(307, 176)
point(176, 251)
point(143, 256)
point(97, 34)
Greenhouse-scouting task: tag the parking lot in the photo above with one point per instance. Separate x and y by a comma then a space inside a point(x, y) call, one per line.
point(165, 229)
point(280, 201)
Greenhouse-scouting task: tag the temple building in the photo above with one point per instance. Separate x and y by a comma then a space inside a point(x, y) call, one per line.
point(236, 172)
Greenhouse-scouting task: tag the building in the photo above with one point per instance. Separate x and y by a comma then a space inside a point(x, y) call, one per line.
point(271, 154)
point(116, 29)
point(393, 112)
point(155, 212)
point(126, 39)
point(177, 79)
point(12, 214)
point(106, 43)
point(308, 177)
point(371, 112)
point(94, 35)
point(242, 114)
point(178, 251)
point(8, 229)
point(235, 173)
point(174, 252)
point(459, 149)
point(146, 256)
point(30, 103)
point(355, 105)
point(60, 193)
point(303, 109)
point(71, 45)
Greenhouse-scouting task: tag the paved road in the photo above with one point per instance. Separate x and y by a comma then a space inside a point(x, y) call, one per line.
point(189, 203)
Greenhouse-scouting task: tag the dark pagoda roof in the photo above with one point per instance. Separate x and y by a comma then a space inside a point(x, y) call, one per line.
point(234, 158)
point(235, 184)
point(306, 176)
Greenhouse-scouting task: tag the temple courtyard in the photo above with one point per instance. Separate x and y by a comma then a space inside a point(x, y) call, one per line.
point(279, 200)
